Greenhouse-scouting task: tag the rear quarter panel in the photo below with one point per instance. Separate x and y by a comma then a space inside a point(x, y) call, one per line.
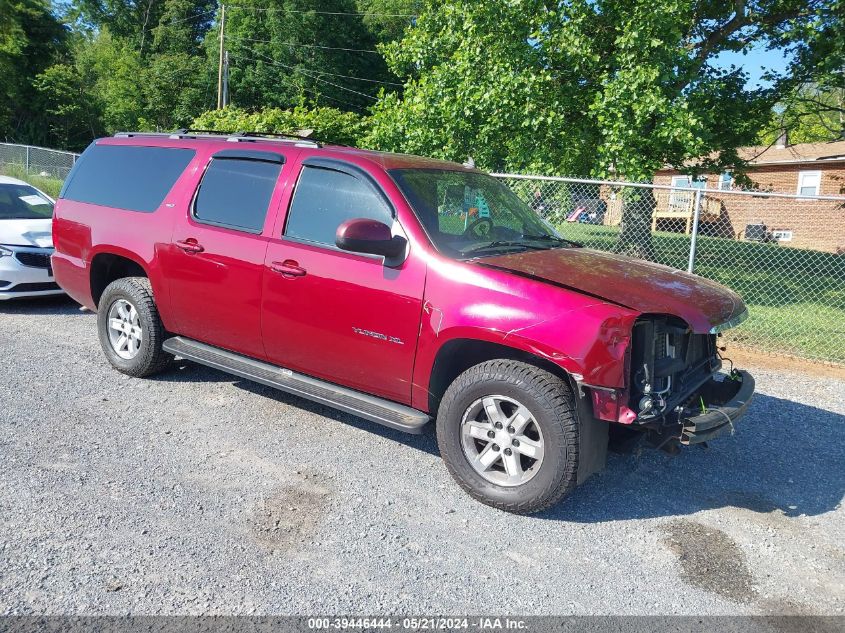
point(81, 231)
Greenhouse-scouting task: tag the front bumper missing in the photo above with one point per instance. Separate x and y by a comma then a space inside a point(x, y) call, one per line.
point(715, 406)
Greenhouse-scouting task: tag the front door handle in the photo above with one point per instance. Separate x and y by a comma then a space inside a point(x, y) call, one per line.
point(190, 245)
point(288, 268)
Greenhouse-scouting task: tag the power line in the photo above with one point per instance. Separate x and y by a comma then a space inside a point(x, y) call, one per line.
point(372, 81)
point(272, 61)
point(350, 14)
point(318, 72)
point(188, 19)
point(316, 94)
point(295, 44)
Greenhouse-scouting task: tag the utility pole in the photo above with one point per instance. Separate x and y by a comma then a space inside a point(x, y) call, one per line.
point(225, 78)
point(220, 65)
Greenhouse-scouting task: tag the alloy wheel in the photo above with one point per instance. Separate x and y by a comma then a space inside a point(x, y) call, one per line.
point(124, 328)
point(502, 440)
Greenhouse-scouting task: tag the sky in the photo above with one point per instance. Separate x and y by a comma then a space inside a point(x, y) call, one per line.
point(755, 61)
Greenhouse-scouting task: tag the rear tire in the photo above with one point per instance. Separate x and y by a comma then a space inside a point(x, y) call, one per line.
point(129, 327)
point(487, 459)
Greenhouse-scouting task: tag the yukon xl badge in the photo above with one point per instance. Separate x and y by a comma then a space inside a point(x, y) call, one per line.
point(378, 335)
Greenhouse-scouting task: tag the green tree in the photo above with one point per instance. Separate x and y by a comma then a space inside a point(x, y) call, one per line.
point(586, 87)
point(177, 78)
point(809, 115)
point(143, 65)
point(31, 40)
point(67, 111)
point(285, 51)
point(133, 20)
point(812, 103)
point(326, 124)
point(388, 19)
point(113, 70)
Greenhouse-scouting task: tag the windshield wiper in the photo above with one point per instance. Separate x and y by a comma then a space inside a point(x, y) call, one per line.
point(500, 243)
point(553, 238)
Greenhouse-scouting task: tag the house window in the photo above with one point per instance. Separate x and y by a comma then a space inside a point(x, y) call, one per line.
point(809, 183)
point(726, 180)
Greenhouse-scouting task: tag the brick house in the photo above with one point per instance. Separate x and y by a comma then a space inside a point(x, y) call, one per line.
point(800, 169)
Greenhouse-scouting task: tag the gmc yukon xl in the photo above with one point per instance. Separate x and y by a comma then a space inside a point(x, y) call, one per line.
point(399, 289)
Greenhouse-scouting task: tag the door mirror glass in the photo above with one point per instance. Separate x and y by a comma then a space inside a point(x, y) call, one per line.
point(360, 235)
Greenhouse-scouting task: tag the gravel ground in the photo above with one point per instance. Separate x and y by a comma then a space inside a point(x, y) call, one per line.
point(196, 493)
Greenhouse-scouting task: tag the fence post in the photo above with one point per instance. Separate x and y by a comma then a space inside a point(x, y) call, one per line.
point(27, 159)
point(694, 237)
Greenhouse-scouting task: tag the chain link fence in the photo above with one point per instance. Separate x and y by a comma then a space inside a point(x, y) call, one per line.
point(783, 253)
point(35, 161)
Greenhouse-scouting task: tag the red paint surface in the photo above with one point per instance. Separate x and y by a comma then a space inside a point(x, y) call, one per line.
point(641, 285)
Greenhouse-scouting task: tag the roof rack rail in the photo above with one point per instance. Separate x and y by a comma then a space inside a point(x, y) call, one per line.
point(235, 136)
point(296, 136)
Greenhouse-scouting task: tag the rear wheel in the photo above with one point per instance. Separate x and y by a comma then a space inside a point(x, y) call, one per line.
point(508, 434)
point(130, 330)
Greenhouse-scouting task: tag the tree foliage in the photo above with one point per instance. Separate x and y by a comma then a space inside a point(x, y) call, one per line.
point(809, 114)
point(283, 52)
point(31, 40)
point(583, 87)
point(388, 19)
point(326, 124)
point(586, 87)
point(93, 67)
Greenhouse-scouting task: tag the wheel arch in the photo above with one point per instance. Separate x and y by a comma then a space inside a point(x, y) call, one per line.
point(459, 354)
point(108, 266)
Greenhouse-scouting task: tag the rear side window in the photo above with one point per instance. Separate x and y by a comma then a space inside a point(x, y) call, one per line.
point(325, 198)
point(235, 193)
point(127, 177)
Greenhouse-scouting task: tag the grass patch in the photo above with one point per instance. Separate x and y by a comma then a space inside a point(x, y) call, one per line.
point(795, 297)
point(50, 186)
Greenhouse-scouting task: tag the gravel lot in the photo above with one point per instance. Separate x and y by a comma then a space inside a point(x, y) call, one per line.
point(196, 492)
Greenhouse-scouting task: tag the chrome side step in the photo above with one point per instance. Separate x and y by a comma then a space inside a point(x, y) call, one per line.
point(372, 408)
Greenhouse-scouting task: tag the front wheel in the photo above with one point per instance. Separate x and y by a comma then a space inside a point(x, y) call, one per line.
point(130, 330)
point(508, 434)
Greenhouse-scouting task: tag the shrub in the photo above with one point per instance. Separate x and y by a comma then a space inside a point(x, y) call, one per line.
point(328, 124)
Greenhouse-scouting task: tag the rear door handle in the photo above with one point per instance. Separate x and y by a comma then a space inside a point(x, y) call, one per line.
point(190, 245)
point(288, 268)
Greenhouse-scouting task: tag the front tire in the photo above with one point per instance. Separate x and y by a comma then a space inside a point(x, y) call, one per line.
point(130, 330)
point(509, 435)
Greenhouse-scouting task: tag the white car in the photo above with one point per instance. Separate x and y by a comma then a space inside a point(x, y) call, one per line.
point(26, 241)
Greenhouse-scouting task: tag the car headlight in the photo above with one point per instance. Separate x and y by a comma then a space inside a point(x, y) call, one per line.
point(6, 252)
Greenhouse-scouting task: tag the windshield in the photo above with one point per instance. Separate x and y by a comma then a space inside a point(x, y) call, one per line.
point(469, 214)
point(22, 202)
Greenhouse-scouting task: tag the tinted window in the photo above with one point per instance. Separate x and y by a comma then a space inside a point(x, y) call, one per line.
point(236, 192)
point(325, 198)
point(22, 202)
point(126, 177)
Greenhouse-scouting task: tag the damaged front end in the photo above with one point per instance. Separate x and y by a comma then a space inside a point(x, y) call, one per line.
point(676, 392)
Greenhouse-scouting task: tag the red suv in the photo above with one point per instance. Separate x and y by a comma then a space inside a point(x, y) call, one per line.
point(399, 289)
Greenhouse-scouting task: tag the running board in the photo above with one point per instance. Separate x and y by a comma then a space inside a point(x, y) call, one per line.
point(373, 408)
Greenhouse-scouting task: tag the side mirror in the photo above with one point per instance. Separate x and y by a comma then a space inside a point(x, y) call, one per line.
point(360, 235)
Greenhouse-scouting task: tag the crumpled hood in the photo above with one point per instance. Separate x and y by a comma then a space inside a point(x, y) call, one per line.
point(27, 232)
point(632, 283)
